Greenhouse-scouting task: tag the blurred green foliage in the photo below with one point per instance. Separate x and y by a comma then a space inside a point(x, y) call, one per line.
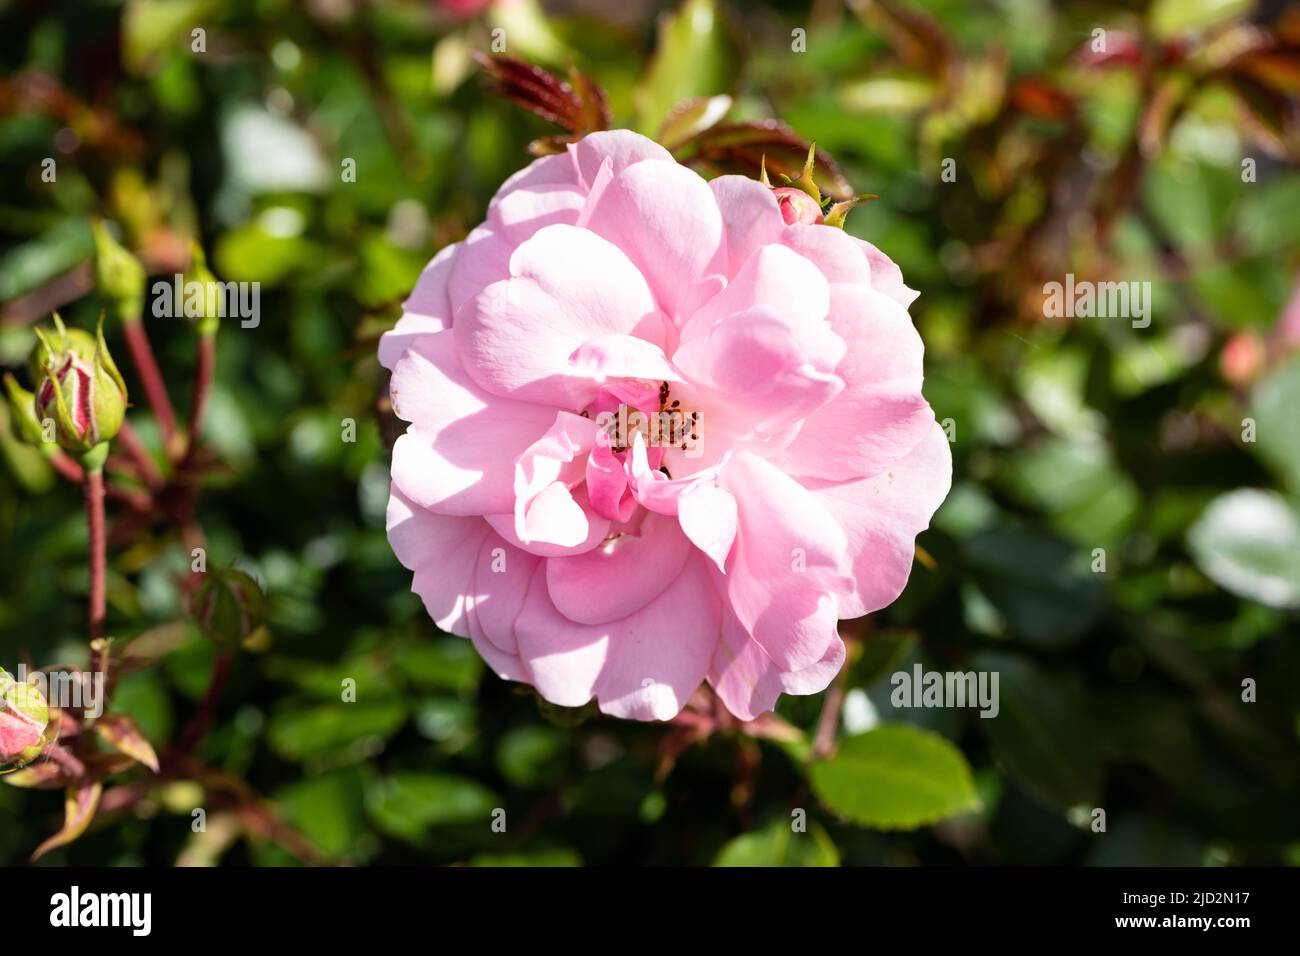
point(1121, 670)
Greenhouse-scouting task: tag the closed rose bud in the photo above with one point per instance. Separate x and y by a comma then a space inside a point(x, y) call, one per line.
point(797, 206)
point(78, 386)
point(229, 608)
point(25, 725)
point(119, 275)
point(22, 407)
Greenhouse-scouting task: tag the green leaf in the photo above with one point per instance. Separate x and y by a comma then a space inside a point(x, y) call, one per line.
point(533, 756)
point(777, 844)
point(697, 55)
point(408, 805)
point(1277, 426)
point(298, 733)
point(1168, 18)
point(1041, 585)
point(1248, 541)
point(1044, 735)
point(895, 777)
point(691, 117)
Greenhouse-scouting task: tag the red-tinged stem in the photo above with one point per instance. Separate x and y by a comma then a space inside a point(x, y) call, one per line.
point(134, 499)
point(94, 485)
point(207, 363)
point(143, 461)
point(66, 467)
point(154, 387)
point(202, 722)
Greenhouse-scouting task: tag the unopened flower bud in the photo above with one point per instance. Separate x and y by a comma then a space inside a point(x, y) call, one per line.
point(25, 725)
point(78, 386)
point(229, 607)
point(119, 275)
point(22, 408)
point(797, 206)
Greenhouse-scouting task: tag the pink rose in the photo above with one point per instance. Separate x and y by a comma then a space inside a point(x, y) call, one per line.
point(657, 435)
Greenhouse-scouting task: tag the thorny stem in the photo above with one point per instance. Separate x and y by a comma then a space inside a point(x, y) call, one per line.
point(154, 387)
point(207, 362)
point(202, 722)
point(131, 443)
point(94, 488)
point(62, 463)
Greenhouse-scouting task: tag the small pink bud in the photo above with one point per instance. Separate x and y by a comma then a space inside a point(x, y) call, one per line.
point(1242, 358)
point(797, 206)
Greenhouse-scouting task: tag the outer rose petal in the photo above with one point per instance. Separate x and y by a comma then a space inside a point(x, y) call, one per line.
point(881, 414)
point(786, 565)
point(451, 459)
point(644, 666)
point(428, 309)
point(882, 516)
point(748, 681)
point(501, 576)
point(621, 147)
point(621, 576)
point(886, 277)
point(664, 217)
point(833, 251)
point(568, 287)
point(441, 551)
point(750, 217)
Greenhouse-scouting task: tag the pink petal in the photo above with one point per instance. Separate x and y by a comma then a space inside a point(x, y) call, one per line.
point(621, 147)
point(620, 576)
point(765, 371)
point(441, 550)
point(886, 277)
point(750, 217)
point(622, 356)
point(837, 254)
point(568, 287)
point(664, 217)
point(881, 517)
point(749, 683)
point(451, 459)
point(644, 666)
point(428, 309)
point(881, 414)
point(708, 516)
point(786, 565)
point(502, 573)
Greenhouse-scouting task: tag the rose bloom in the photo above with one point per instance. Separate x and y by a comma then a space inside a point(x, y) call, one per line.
point(590, 554)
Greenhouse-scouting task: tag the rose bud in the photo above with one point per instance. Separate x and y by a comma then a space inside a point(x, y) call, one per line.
point(797, 206)
point(22, 406)
point(78, 386)
point(229, 607)
point(119, 275)
point(25, 725)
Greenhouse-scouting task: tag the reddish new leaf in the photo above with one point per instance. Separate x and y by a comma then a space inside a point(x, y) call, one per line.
point(122, 733)
point(744, 148)
point(578, 107)
point(78, 810)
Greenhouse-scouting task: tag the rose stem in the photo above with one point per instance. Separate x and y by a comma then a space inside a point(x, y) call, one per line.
point(154, 388)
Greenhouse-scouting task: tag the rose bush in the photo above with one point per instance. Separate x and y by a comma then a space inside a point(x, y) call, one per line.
point(799, 464)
